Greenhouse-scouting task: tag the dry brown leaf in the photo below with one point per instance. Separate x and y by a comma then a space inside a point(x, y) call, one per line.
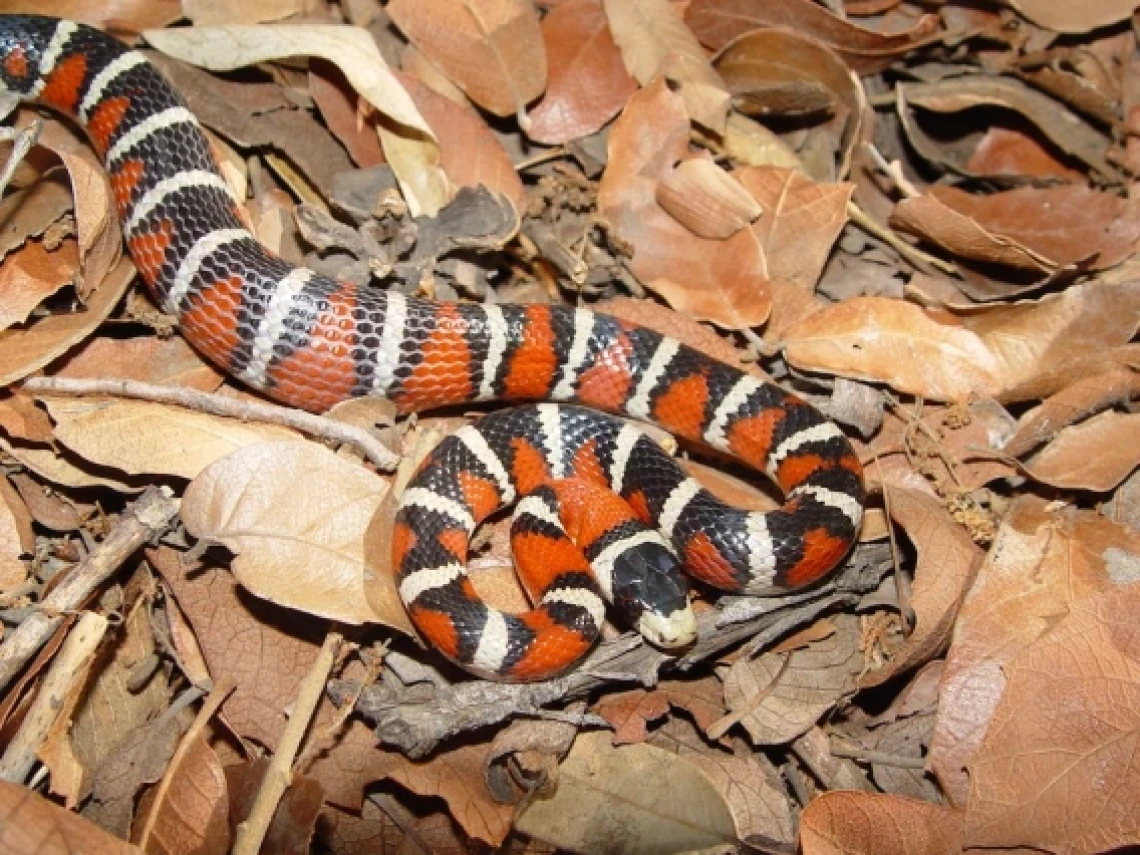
point(639, 797)
point(145, 438)
point(719, 281)
point(1074, 17)
point(65, 469)
point(1041, 564)
point(762, 61)
point(778, 696)
point(947, 561)
point(1116, 384)
point(655, 42)
point(31, 825)
point(1094, 455)
point(629, 713)
point(706, 200)
point(456, 776)
point(1064, 128)
point(1008, 151)
point(30, 275)
point(800, 222)
point(587, 82)
point(30, 348)
point(1058, 769)
point(897, 343)
point(299, 548)
point(1031, 340)
point(411, 147)
point(290, 830)
point(340, 107)
point(470, 154)
point(849, 823)
point(491, 49)
point(1031, 228)
point(16, 537)
point(717, 22)
point(151, 359)
point(194, 815)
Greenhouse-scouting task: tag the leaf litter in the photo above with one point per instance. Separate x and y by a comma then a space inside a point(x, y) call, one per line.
point(920, 217)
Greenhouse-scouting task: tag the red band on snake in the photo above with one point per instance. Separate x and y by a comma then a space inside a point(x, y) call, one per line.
point(311, 341)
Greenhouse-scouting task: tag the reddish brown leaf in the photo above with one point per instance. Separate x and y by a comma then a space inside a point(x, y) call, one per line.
point(31, 825)
point(1094, 455)
point(1005, 151)
point(1058, 769)
point(340, 105)
point(717, 22)
point(720, 281)
point(847, 823)
point(32, 274)
point(588, 84)
point(630, 712)
point(194, 815)
point(492, 49)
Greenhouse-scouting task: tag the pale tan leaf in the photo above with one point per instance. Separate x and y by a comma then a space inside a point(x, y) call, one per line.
point(298, 548)
point(897, 343)
point(707, 200)
point(16, 537)
point(778, 696)
point(1059, 768)
point(947, 561)
point(1094, 455)
point(655, 41)
point(491, 49)
point(142, 437)
point(851, 823)
point(1080, 17)
point(639, 797)
point(49, 463)
point(31, 825)
point(416, 163)
point(27, 349)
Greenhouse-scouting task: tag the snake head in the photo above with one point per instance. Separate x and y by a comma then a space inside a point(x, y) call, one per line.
point(651, 592)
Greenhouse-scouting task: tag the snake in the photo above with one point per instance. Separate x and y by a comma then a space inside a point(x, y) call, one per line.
point(602, 510)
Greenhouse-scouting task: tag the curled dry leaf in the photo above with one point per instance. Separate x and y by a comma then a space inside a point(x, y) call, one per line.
point(897, 343)
point(30, 275)
point(491, 49)
point(588, 84)
point(1115, 384)
point(639, 798)
point(16, 537)
point(470, 154)
point(1074, 17)
point(762, 60)
point(778, 696)
point(194, 814)
point(1033, 341)
point(1064, 128)
point(27, 349)
point(947, 560)
point(719, 281)
point(1096, 454)
point(145, 438)
point(706, 200)
point(655, 41)
point(298, 548)
point(31, 825)
point(849, 823)
point(355, 53)
point(717, 22)
point(1041, 565)
point(1058, 769)
point(1029, 228)
point(800, 222)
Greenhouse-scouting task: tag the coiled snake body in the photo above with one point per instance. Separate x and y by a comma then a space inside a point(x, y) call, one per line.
point(311, 341)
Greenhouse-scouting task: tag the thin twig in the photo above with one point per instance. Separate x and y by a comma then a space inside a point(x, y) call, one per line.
point(219, 405)
point(279, 775)
point(148, 517)
point(922, 260)
point(68, 667)
point(217, 695)
point(902, 582)
point(882, 758)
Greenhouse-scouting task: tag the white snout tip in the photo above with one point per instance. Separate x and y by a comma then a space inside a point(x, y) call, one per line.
point(669, 631)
